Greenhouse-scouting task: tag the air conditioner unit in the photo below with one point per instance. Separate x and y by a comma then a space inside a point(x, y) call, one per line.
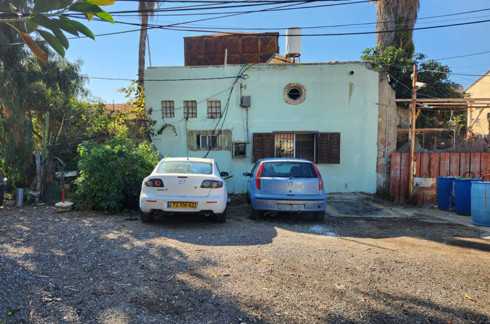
point(245, 101)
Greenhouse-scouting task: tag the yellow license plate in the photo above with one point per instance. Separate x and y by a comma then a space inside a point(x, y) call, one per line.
point(181, 204)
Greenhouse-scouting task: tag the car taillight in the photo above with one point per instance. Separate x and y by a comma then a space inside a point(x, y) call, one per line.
point(154, 183)
point(211, 184)
point(259, 174)
point(319, 176)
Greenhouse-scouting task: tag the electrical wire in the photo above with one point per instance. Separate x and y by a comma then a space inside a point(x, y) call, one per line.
point(170, 27)
point(459, 56)
point(223, 116)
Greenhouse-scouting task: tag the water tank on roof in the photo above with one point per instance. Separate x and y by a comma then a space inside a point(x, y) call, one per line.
point(293, 42)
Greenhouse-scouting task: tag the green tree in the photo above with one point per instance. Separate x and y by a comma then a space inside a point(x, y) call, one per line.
point(51, 19)
point(30, 91)
point(399, 64)
point(27, 90)
point(138, 118)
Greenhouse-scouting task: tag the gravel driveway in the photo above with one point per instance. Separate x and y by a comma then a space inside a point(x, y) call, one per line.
point(81, 267)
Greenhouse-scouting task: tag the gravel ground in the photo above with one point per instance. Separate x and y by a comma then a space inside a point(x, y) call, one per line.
point(84, 267)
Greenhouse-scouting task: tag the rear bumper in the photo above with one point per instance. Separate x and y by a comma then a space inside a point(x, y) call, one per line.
point(214, 203)
point(290, 203)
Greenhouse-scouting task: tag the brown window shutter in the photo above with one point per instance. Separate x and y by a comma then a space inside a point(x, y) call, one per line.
point(328, 148)
point(263, 146)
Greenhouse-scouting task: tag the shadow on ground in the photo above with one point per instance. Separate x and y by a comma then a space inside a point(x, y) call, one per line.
point(71, 268)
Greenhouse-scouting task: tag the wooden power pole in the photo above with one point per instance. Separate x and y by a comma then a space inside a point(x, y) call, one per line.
point(413, 120)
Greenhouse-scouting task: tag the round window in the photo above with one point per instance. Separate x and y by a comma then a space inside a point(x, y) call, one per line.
point(294, 93)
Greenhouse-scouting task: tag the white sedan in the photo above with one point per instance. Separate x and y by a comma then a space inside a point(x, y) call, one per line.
point(184, 185)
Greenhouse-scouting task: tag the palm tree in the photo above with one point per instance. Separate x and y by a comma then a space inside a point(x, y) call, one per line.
point(145, 9)
point(395, 21)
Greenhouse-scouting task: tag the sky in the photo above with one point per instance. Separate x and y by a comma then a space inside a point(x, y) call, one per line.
point(111, 61)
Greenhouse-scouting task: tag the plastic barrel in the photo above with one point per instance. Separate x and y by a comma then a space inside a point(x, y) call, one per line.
point(462, 195)
point(480, 203)
point(445, 193)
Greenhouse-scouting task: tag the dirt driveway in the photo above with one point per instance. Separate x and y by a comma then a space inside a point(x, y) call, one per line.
point(366, 266)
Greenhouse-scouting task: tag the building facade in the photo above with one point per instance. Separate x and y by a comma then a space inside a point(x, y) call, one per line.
point(479, 119)
point(340, 115)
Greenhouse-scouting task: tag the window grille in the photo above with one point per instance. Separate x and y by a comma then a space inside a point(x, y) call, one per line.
point(316, 147)
point(190, 109)
point(214, 109)
point(168, 110)
point(300, 146)
point(207, 141)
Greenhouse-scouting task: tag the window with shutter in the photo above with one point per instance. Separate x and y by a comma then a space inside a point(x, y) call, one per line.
point(263, 146)
point(328, 148)
point(298, 145)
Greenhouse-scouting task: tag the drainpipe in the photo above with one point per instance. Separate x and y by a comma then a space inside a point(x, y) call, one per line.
point(386, 149)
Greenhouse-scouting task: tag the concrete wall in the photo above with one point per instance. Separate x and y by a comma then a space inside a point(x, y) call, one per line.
point(340, 97)
point(479, 89)
point(387, 132)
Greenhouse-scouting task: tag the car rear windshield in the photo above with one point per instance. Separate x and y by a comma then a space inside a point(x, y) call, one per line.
point(190, 167)
point(288, 169)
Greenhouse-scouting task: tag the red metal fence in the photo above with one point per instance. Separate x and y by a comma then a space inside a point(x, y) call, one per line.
point(433, 165)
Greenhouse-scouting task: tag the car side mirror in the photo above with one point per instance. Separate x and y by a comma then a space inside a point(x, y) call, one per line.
point(224, 174)
point(247, 174)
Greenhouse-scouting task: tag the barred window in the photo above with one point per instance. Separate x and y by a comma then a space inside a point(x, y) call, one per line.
point(214, 109)
point(300, 146)
point(316, 147)
point(190, 109)
point(168, 110)
point(207, 141)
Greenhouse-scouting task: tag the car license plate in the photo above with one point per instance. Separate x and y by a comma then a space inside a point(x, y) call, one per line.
point(181, 204)
point(290, 207)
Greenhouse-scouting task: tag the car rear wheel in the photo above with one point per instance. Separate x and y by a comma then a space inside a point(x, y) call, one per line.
point(318, 216)
point(147, 217)
point(255, 214)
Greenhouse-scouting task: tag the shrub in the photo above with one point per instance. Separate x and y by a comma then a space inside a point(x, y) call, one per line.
point(111, 174)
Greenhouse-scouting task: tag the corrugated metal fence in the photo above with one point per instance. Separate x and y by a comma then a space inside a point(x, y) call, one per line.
point(433, 165)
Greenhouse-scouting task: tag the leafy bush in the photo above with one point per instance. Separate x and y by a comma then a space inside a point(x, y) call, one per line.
point(111, 174)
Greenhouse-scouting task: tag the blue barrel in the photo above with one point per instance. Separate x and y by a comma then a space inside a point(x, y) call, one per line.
point(445, 193)
point(480, 203)
point(462, 195)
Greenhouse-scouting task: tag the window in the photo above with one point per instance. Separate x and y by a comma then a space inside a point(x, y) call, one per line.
point(191, 167)
point(168, 110)
point(198, 140)
point(239, 149)
point(301, 146)
point(294, 93)
point(190, 109)
point(214, 109)
point(207, 141)
point(316, 147)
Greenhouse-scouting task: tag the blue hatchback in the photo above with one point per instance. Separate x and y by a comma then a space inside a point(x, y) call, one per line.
point(282, 184)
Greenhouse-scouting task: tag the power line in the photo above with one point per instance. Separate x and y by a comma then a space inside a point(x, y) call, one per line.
point(163, 80)
point(464, 55)
point(225, 5)
point(336, 26)
point(170, 27)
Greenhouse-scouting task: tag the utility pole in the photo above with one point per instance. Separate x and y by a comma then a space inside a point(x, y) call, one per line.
point(413, 119)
